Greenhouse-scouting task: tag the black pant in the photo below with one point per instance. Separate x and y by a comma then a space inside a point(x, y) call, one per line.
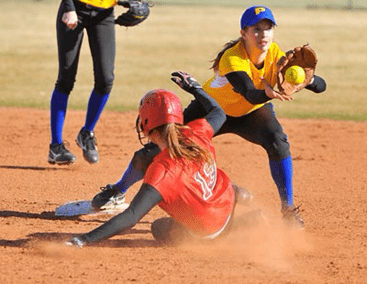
point(100, 27)
point(260, 127)
point(168, 231)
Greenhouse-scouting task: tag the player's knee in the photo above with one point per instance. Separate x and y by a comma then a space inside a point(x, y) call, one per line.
point(277, 147)
point(104, 86)
point(160, 229)
point(65, 87)
point(138, 161)
point(167, 231)
point(103, 90)
point(144, 157)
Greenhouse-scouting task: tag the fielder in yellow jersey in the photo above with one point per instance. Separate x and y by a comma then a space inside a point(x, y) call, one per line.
point(243, 85)
point(236, 59)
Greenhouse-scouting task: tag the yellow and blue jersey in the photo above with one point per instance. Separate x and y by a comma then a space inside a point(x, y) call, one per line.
point(236, 59)
point(104, 4)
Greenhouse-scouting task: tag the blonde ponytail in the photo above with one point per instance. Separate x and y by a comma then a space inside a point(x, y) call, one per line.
point(180, 146)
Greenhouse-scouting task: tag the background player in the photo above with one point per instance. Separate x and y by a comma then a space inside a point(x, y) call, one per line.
point(73, 17)
point(183, 179)
point(243, 84)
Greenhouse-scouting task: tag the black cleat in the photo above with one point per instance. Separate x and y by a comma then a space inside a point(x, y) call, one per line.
point(109, 197)
point(60, 155)
point(87, 141)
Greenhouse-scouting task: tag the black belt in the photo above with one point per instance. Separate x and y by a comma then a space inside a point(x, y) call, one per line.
point(92, 7)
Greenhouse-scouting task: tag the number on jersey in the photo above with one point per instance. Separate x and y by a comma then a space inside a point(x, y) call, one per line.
point(208, 181)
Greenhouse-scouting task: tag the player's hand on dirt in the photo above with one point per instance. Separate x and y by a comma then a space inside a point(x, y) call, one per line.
point(185, 81)
point(70, 19)
point(273, 94)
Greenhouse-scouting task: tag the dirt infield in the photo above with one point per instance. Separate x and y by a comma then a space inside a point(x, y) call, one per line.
point(329, 179)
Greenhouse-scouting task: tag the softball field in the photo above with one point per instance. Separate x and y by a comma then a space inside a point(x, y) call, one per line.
point(328, 147)
point(330, 185)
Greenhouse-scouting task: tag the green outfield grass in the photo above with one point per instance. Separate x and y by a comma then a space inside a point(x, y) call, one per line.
point(186, 38)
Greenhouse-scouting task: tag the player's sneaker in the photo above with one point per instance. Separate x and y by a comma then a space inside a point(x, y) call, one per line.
point(291, 217)
point(243, 196)
point(87, 141)
point(75, 241)
point(109, 197)
point(59, 154)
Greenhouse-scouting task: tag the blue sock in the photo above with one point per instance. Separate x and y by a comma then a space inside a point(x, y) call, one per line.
point(58, 106)
point(282, 173)
point(95, 107)
point(130, 176)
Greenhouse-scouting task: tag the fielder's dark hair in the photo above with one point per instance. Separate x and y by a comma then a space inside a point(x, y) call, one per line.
point(228, 45)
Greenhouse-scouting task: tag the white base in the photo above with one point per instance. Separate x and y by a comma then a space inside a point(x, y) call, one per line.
point(84, 207)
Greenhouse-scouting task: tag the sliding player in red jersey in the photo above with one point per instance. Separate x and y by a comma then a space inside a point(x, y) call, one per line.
point(183, 178)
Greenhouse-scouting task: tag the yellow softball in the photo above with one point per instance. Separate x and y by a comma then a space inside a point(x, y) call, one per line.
point(295, 75)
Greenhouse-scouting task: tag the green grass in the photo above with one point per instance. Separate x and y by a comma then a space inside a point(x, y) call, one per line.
point(182, 38)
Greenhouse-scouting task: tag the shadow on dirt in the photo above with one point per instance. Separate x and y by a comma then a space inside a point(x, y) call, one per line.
point(36, 238)
point(46, 215)
point(50, 215)
point(33, 168)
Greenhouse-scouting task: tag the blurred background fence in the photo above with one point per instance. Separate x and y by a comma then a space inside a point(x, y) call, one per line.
point(343, 4)
point(322, 4)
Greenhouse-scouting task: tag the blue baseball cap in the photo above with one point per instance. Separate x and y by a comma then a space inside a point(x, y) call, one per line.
point(255, 14)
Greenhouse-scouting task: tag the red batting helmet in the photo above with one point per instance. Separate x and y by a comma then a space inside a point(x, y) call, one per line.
point(159, 107)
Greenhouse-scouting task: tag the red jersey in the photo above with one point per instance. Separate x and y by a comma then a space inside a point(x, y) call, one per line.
point(199, 196)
